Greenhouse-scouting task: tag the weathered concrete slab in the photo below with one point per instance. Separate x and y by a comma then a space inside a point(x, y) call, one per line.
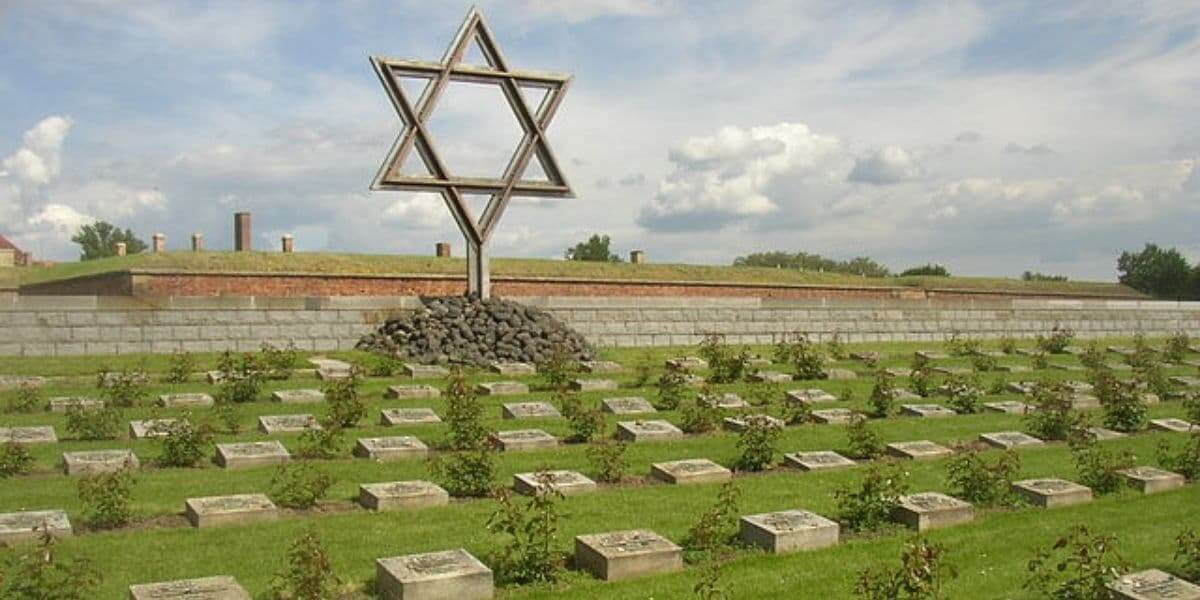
point(405, 392)
point(788, 531)
point(274, 424)
point(448, 575)
point(641, 431)
point(502, 388)
point(29, 526)
point(238, 509)
point(408, 416)
point(204, 588)
point(1051, 492)
point(387, 449)
point(594, 385)
point(1153, 584)
point(632, 405)
point(1152, 480)
point(185, 400)
point(244, 455)
point(92, 462)
point(524, 439)
point(932, 510)
point(298, 396)
point(622, 555)
point(694, 470)
point(1009, 440)
point(568, 483)
point(919, 450)
point(28, 435)
point(818, 461)
point(401, 495)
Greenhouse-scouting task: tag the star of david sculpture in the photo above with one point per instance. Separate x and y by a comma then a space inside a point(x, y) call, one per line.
point(414, 137)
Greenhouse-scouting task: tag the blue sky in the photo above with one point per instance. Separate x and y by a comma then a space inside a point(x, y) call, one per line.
point(993, 137)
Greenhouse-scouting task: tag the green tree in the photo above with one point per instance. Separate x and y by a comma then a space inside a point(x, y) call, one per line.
point(595, 249)
point(812, 262)
point(1163, 273)
point(931, 270)
point(99, 240)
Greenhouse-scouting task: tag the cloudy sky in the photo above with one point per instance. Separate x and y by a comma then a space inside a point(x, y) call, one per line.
point(993, 137)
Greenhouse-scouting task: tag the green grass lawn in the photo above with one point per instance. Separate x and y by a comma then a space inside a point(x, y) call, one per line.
point(989, 554)
point(367, 264)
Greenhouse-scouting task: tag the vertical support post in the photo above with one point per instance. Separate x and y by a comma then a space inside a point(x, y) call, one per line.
point(479, 281)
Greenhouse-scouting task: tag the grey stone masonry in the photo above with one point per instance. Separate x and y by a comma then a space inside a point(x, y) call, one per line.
point(621, 555)
point(453, 574)
point(1153, 584)
point(28, 435)
point(27, 526)
point(401, 495)
point(73, 325)
point(206, 588)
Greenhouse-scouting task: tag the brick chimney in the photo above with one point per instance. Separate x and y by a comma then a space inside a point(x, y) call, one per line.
point(241, 232)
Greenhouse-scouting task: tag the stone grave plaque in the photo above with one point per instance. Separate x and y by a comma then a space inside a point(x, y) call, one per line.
point(1119, 367)
point(151, 428)
point(244, 455)
point(1012, 369)
point(898, 372)
point(62, 403)
point(272, 424)
point(623, 555)
point(1122, 350)
point(386, 449)
point(1195, 364)
point(926, 411)
point(740, 423)
point(594, 385)
point(818, 461)
point(502, 388)
point(332, 375)
point(869, 357)
point(1079, 387)
point(329, 369)
point(1101, 434)
point(833, 415)
point(1152, 480)
point(204, 588)
point(641, 431)
point(812, 395)
point(28, 435)
point(1084, 401)
point(758, 361)
point(633, 405)
point(1073, 350)
point(28, 526)
point(568, 483)
point(238, 509)
point(1153, 584)
point(185, 400)
point(687, 363)
point(771, 377)
point(447, 575)
point(1068, 368)
point(529, 410)
point(512, 368)
point(919, 450)
point(600, 366)
point(693, 381)
point(404, 392)
point(1051, 492)
point(991, 353)
point(1186, 381)
point(951, 370)
point(92, 462)
point(108, 378)
point(524, 439)
point(693, 470)
point(10, 382)
point(1176, 425)
point(931, 355)
point(214, 377)
point(903, 395)
point(408, 416)
point(788, 531)
point(298, 396)
point(1011, 407)
point(425, 371)
point(401, 495)
point(840, 374)
point(1009, 440)
point(1021, 387)
point(726, 400)
point(931, 510)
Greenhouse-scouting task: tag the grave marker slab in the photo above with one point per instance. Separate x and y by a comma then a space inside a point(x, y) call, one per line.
point(594, 385)
point(298, 396)
point(28, 526)
point(693, 470)
point(1101, 434)
point(687, 363)
point(641, 431)
point(1176, 425)
point(204, 588)
point(214, 377)
point(840, 374)
point(926, 411)
point(10, 382)
point(818, 461)
point(185, 400)
point(693, 381)
point(512, 368)
point(740, 423)
point(405, 392)
point(1122, 350)
point(1021, 387)
point(1009, 440)
point(1119, 367)
point(28, 435)
point(387, 449)
point(771, 377)
point(1051, 492)
point(1084, 401)
point(1012, 369)
point(788, 531)
point(243, 455)
point(898, 372)
point(92, 462)
point(1186, 381)
point(833, 415)
point(622, 555)
point(62, 403)
point(1011, 407)
point(600, 366)
point(633, 405)
point(812, 395)
point(932, 510)
point(903, 395)
point(333, 375)
point(273, 424)
point(448, 575)
point(568, 483)
point(401, 495)
point(408, 416)
point(1079, 387)
point(425, 371)
point(869, 357)
point(1153, 584)
point(529, 410)
point(524, 439)
point(727, 400)
point(919, 450)
point(951, 370)
point(109, 378)
point(237, 509)
point(931, 355)
point(151, 428)
point(1066, 367)
point(502, 388)
point(1152, 480)
point(329, 369)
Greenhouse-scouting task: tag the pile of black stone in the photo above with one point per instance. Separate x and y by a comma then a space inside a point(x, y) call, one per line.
point(466, 330)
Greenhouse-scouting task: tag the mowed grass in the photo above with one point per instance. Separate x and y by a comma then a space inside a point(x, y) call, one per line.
point(372, 264)
point(990, 554)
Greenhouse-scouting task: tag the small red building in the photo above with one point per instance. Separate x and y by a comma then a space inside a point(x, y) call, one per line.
point(20, 258)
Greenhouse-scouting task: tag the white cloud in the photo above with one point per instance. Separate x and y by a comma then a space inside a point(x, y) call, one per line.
point(39, 159)
point(1035, 150)
point(109, 199)
point(890, 164)
point(418, 211)
point(969, 137)
point(60, 218)
point(576, 11)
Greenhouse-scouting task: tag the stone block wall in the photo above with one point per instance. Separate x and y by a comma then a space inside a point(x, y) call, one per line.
point(73, 325)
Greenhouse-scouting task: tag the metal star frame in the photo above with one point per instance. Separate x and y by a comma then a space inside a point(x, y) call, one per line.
point(415, 136)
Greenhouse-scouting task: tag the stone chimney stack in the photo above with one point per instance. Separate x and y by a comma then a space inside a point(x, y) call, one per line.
point(241, 232)
point(637, 257)
point(442, 249)
point(197, 242)
point(119, 248)
point(287, 243)
point(158, 243)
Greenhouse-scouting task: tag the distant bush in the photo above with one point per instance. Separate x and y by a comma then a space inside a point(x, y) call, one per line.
point(184, 444)
point(182, 365)
point(926, 270)
point(608, 460)
point(464, 414)
point(1008, 345)
point(587, 423)
point(594, 249)
point(1098, 467)
point(813, 262)
point(124, 388)
point(1036, 276)
point(958, 344)
point(725, 364)
point(325, 443)
point(1051, 415)
point(94, 424)
point(15, 459)
point(806, 358)
point(862, 442)
point(26, 399)
point(1079, 566)
point(672, 389)
point(920, 575)
point(345, 407)
point(1188, 553)
point(1124, 409)
point(530, 529)
point(299, 485)
point(869, 506)
point(384, 365)
point(1058, 340)
point(107, 498)
point(241, 378)
point(883, 395)
point(921, 379)
point(466, 473)
point(1093, 356)
point(757, 443)
point(964, 394)
point(558, 369)
point(278, 363)
point(835, 348)
point(1178, 345)
point(975, 479)
point(1185, 461)
point(701, 416)
point(717, 527)
point(39, 574)
point(308, 574)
